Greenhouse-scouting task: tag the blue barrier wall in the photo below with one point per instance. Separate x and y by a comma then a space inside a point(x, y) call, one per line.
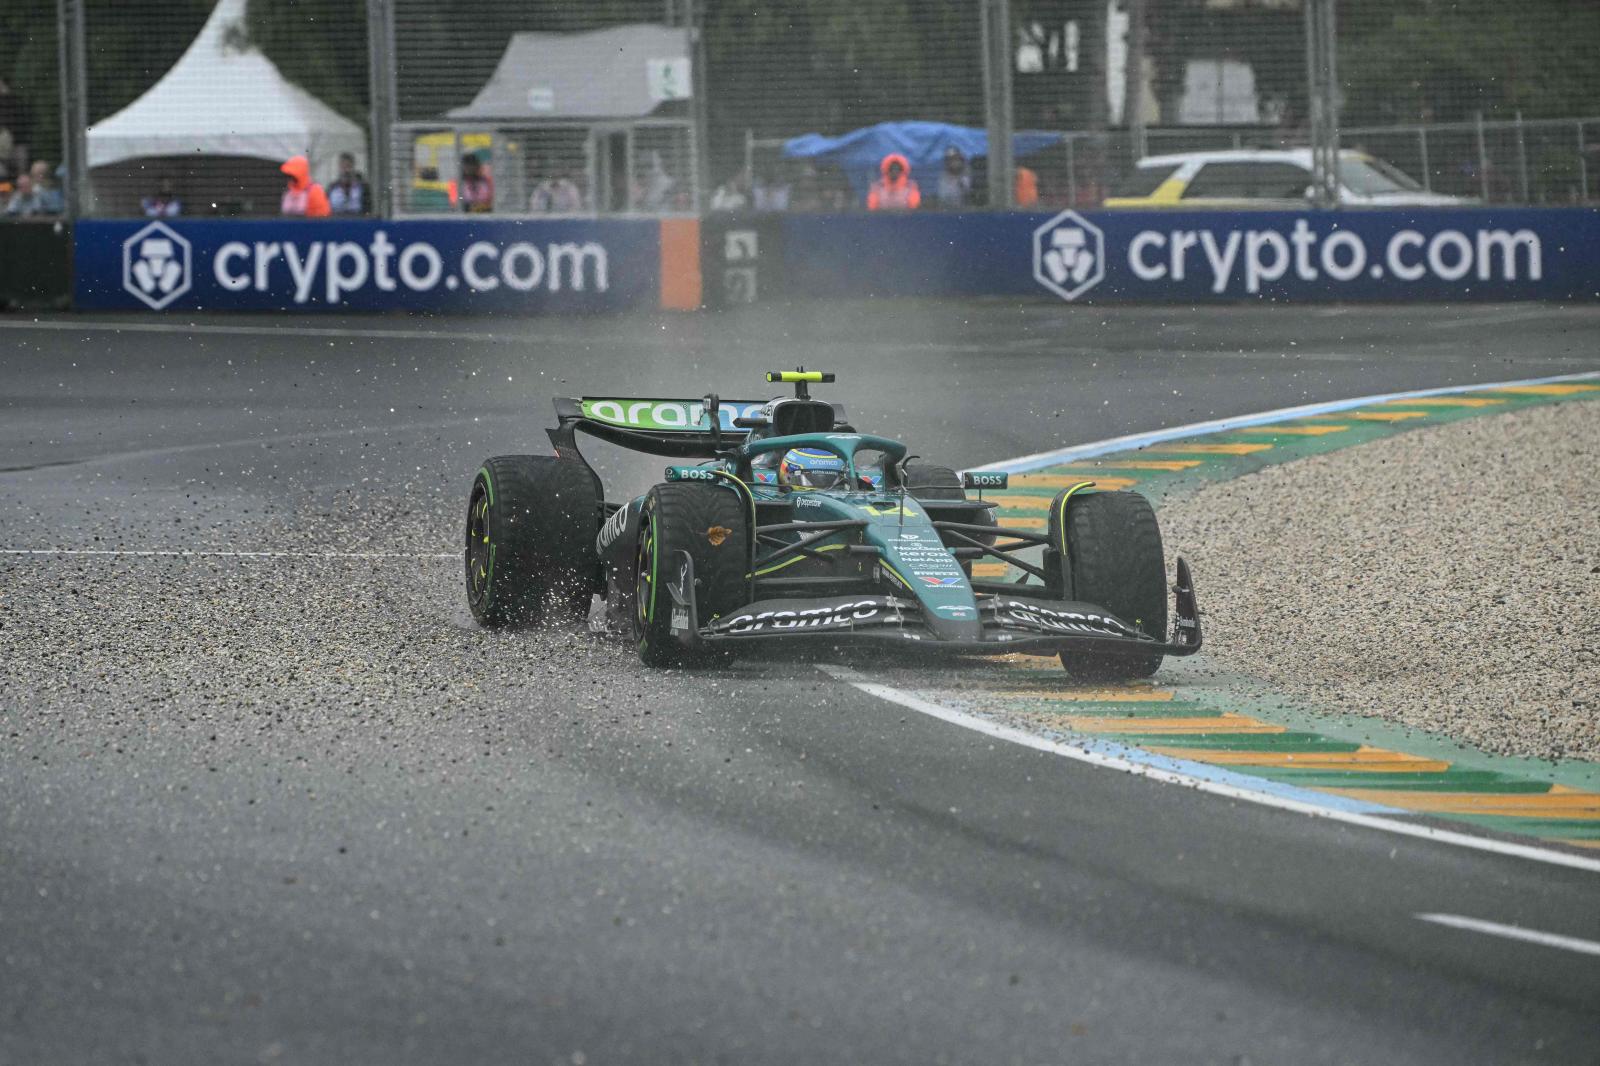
point(1198, 256)
point(532, 266)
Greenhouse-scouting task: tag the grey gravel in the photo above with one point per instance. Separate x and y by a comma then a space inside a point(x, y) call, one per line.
point(1447, 579)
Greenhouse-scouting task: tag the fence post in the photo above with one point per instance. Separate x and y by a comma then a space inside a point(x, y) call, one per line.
point(694, 24)
point(71, 54)
point(1522, 159)
point(1583, 165)
point(1323, 97)
point(382, 113)
point(1483, 161)
point(996, 15)
point(1427, 171)
point(1072, 170)
point(1134, 76)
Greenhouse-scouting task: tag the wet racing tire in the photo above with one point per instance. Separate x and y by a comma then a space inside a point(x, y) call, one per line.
point(712, 524)
point(937, 484)
point(530, 554)
point(1114, 560)
point(934, 483)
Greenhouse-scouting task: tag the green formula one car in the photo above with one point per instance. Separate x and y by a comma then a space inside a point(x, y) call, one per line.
point(793, 525)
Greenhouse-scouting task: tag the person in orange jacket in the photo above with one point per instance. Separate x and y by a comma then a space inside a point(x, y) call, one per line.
point(895, 191)
point(302, 196)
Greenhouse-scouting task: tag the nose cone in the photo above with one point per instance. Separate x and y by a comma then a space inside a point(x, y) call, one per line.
point(918, 558)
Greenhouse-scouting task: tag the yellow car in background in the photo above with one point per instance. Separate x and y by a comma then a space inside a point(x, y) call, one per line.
point(1272, 178)
point(435, 162)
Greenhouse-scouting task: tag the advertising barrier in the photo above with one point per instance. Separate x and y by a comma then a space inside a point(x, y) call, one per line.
point(467, 266)
point(1199, 256)
point(540, 266)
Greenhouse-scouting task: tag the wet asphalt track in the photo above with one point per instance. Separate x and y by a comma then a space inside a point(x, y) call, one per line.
point(298, 809)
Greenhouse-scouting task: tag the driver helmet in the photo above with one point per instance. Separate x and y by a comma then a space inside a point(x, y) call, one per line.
point(810, 468)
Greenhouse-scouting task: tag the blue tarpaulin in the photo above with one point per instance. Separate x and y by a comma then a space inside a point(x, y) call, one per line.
point(859, 152)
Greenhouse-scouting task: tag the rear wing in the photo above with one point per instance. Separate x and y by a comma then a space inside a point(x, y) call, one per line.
point(671, 427)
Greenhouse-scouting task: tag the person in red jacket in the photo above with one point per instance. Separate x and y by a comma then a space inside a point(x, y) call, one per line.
point(302, 196)
point(895, 191)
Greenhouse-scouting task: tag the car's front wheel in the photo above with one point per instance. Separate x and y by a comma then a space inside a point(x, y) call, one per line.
point(1108, 553)
point(530, 554)
point(712, 524)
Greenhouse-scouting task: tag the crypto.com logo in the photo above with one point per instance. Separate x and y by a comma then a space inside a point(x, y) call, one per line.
point(1069, 255)
point(156, 265)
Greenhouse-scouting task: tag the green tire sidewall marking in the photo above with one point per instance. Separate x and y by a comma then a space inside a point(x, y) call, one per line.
point(655, 570)
point(488, 578)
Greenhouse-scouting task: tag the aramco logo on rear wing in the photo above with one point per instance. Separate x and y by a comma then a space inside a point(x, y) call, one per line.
point(1069, 255)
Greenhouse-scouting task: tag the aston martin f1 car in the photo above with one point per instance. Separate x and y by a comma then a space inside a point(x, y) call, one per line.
point(780, 521)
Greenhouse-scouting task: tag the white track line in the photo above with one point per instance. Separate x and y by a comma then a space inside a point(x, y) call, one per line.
point(1173, 777)
point(1222, 425)
point(1513, 932)
point(183, 554)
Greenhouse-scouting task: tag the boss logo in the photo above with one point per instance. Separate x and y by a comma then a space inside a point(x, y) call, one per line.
point(983, 479)
point(691, 473)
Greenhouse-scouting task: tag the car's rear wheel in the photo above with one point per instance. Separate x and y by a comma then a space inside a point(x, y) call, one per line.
point(1109, 554)
point(940, 484)
point(530, 554)
point(712, 524)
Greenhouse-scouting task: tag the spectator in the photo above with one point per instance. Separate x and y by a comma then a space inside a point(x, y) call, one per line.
point(348, 193)
point(1026, 188)
point(730, 195)
point(302, 197)
point(955, 180)
point(40, 173)
point(475, 191)
point(565, 196)
point(895, 191)
point(165, 202)
point(656, 193)
point(769, 193)
point(25, 202)
point(540, 198)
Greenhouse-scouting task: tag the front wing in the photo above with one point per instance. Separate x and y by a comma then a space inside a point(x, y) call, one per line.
point(1008, 623)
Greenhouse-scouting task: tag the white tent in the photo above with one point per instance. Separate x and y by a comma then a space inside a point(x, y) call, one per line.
point(620, 72)
point(224, 98)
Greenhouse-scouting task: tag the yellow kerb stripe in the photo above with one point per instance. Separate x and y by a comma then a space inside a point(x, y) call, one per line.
point(1224, 724)
point(1548, 390)
point(1022, 523)
point(1121, 694)
point(990, 569)
point(1063, 481)
point(1444, 401)
point(1580, 805)
point(1137, 464)
point(1295, 431)
point(1366, 759)
point(1375, 416)
point(1209, 449)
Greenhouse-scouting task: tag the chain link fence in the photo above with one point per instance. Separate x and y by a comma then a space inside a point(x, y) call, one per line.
point(606, 107)
point(30, 110)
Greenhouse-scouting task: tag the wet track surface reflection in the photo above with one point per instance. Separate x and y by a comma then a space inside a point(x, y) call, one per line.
point(299, 801)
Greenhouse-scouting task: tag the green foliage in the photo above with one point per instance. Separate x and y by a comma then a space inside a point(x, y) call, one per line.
point(320, 45)
point(28, 66)
point(1444, 60)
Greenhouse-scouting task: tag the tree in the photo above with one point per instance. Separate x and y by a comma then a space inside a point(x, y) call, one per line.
point(1438, 61)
